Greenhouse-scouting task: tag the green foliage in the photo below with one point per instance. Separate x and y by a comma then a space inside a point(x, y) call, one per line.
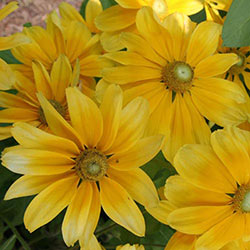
point(7, 56)
point(9, 244)
point(236, 32)
point(27, 25)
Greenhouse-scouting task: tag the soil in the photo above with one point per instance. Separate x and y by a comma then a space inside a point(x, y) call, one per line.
point(33, 11)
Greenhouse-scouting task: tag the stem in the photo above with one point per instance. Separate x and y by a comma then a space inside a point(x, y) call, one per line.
point(17, 234)
point(105, 230)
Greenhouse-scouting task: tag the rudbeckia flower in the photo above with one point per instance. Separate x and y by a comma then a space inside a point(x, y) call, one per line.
point(75, 41)
point(92, 10)
point(92, 164)
point(122, 17)
point(25, 106)
point(217, 181)
point(175, 68)
point(7, 78)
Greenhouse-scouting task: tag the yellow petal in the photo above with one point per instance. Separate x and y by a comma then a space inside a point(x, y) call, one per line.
point(149, 28)
point(181, 241)
point(123, 211)
point(42, 79)
point(135, 43)
point(77, 213)
point(131, 129)
point(11, 115)
point(9, 100)
point(186, 126)
point(138, 185)
point(180, 28)
point(203, 43)
point(161, 211)
point(197, 163)
point(36, 162)
point(129, 4)
point(247, 78)
point(232, 228)
point(183, 194)
point(85, 116)
point(111, 41)
point(77, 36)
point(93, 217)
point(7, 77)
point(49, 203)
point(92, 244)
point(57, 123)
point(5, 132)
point(139, 154)
point(127, 74)
point(111, 109)
point(13, 41)
point(7, 9)
point(61, 74)
point(197, 220)
point(218, 100)
point(217, 65)
point(115, 18)
point(34, 138)
point(93, 9)
point(231, 148)
point(30, 185)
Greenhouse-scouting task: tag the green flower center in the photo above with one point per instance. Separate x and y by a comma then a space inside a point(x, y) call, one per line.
point(241, 199)
point(240, 65)
point(91, 165)
point(59, 108)
point(177, 76)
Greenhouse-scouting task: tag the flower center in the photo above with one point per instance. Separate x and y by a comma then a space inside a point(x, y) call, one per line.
point(160, 8)
point(59, 108)
point(91, 165)
point(178, 76)
point(240, 65)
point(241, 199)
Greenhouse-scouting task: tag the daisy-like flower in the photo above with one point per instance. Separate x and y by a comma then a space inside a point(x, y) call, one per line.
point(122, 17)
point(92, 10)
point(75, 41)
point(212, 193)
point(177, 74)
point(7, 78)
point(25, 106)
point(131, 247)
point(92, 164)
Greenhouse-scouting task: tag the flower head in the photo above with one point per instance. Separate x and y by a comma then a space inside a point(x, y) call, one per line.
point(212, 192)
point(93, 163)
point(177, 73)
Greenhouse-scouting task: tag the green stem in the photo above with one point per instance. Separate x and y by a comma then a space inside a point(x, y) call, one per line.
point(105, 230)
point(18, 235)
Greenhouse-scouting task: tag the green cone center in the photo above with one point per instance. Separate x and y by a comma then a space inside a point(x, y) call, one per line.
point(178, 76)
point(91, 165)
point(245, 204)
point(57, 105)
point(241, 61)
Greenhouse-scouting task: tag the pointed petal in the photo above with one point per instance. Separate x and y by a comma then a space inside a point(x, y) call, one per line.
point(7, 77)
point(7, 9)
point(203, 43)
point(85, 116)
point(13, 41)
point(11, 115)
point(123, 211)
point(9, 100)
point(197, 220)
point(197, 163)
point(34, 138)
point(49, 203)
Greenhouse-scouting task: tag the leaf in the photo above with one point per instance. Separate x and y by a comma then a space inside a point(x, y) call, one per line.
point(83, 7)
point(199, 17)
point(236, 32)
point(7, 56)
point(9, 244)
point(27, 25)
point(107, 3)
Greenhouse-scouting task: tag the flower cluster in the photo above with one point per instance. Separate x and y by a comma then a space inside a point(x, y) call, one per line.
point(94, 99)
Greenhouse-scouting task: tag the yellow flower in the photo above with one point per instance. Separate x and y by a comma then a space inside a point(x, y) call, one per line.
point(131, 247)
point(75, 41)
point(92, 10)
point(122, 17)
point(25, 106)
point(177, 74)
point(103, 148)
point(7, 78)
point(212, 193)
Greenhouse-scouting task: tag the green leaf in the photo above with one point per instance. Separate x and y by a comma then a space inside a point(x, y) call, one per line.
point(83, 7)
point(107, 3)
point(27, 25)
point(199, 17)
point(7, 56)
point(236, 32)
point(9, 244)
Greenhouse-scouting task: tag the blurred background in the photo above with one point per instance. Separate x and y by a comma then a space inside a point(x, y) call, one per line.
point(33, 11)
